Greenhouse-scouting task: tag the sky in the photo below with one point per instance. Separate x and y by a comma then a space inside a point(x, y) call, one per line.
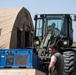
point(44, 7)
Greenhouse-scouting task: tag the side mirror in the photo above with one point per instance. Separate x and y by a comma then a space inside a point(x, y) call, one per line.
point(35, 17)
point(74, 17)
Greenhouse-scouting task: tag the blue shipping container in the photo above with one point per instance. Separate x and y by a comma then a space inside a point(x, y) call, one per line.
point(18, 58)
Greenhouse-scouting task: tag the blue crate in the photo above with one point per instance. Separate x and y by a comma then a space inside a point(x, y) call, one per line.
point(18, 58)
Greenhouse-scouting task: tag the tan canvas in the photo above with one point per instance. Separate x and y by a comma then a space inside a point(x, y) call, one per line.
point(11, 20)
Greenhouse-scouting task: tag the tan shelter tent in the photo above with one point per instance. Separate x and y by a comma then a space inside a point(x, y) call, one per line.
point(16, 28)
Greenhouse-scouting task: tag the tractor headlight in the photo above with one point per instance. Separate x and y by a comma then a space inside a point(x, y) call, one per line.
point(65, 42)
point(37, 42)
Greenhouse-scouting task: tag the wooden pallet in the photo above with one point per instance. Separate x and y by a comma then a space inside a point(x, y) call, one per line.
point(20, 72)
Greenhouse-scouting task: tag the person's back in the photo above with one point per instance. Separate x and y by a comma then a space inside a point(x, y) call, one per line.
point(59, 65)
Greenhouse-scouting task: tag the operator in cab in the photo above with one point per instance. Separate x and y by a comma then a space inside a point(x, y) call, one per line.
point(56, 65)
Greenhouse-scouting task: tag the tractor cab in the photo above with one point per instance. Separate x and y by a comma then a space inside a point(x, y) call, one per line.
point(53, 28)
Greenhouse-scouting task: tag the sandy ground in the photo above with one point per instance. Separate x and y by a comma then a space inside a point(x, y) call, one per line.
point(74, 45)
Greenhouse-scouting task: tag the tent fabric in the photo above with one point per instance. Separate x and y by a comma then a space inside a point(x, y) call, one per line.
point(12, 20)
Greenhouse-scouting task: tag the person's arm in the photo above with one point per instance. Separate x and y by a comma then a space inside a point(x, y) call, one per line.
point(52, 63)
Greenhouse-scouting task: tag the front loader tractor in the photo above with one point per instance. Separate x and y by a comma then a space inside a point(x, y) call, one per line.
point(57, 29)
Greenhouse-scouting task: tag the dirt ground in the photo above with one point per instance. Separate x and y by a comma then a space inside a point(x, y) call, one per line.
point(74, 45)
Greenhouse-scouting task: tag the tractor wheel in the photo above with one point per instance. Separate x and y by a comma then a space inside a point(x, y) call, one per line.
point(69, 62)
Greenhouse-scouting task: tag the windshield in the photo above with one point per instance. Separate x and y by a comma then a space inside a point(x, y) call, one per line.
point(55, 25)
point(49, 23)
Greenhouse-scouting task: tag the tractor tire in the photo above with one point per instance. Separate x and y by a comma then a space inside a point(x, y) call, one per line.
point(69, 60)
